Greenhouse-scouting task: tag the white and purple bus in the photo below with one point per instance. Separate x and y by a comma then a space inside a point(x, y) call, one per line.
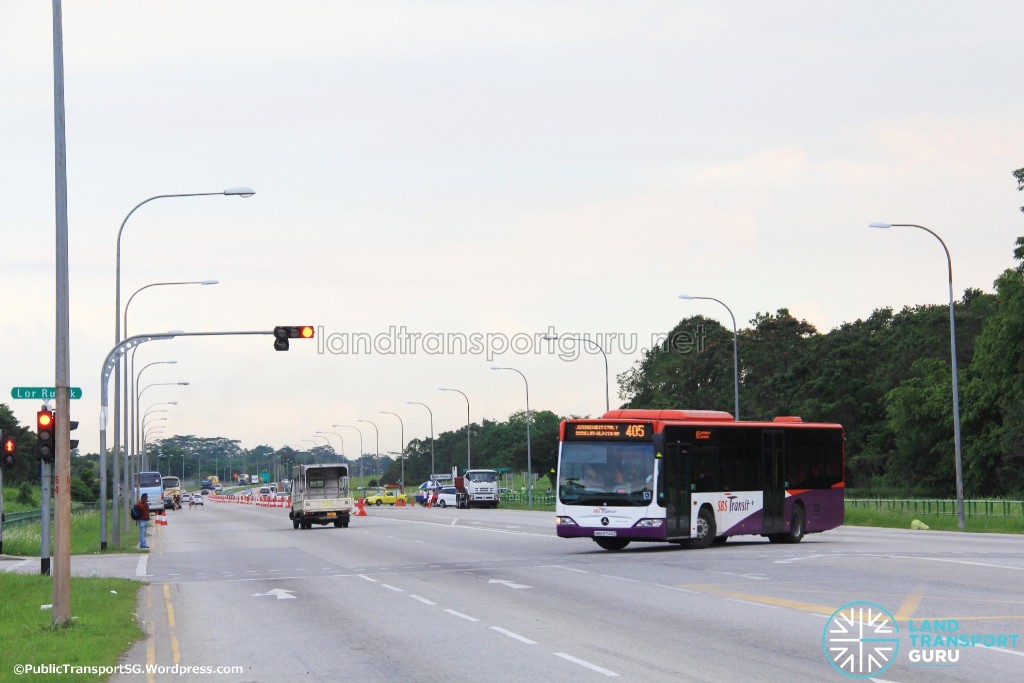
point(695, 477)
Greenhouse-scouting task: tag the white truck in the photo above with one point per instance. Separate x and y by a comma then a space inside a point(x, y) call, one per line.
point(480, 486)
point(320, 495)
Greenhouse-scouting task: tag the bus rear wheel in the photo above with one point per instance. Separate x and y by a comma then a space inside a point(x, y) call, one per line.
point(797, 526)
point(705, 529)
point(611, 543)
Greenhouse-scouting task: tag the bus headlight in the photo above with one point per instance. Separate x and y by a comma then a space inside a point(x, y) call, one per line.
point(565, 521)
point(651, 523)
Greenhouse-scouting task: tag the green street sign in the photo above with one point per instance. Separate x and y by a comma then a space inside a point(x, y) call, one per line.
point(42, 393)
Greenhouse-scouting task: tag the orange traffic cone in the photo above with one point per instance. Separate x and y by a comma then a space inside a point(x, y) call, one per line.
point(360, 509)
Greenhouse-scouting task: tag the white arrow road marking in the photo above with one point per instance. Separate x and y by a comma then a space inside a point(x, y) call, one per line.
point(510, 584)
point(281, 593)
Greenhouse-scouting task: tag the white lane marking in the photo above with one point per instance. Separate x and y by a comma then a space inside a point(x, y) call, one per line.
point(473, 528)
point(392, 588)
point(1002, 649)
point(568, 569)
point(674, 588)
point(588, 665)
point(757, 604)
point(423, 600)
point(140, 566)
point(518, 637)
point(941, 559)
point(620, 578)
point(364, 576)
point(801, 559)
point(461, 615)
point(510, 584)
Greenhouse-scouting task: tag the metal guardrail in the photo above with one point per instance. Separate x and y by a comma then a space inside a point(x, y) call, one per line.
point(35, 516)
point(518, 497)
point(940, 506)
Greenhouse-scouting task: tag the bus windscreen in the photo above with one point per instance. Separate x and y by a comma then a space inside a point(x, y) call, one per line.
point(596, 473)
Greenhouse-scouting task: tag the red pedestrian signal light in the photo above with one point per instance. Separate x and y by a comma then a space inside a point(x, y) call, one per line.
point(44, 435)
point(283, 333)
point(7, 456)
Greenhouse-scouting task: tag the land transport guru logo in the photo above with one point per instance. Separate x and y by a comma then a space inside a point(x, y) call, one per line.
point(861, 639)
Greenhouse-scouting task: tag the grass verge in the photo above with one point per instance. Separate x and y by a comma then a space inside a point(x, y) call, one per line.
point(23, 539)
point(102, 627)
point(900, 520)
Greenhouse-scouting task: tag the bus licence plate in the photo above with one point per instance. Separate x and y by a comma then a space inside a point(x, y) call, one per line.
point(332, 514)
point(605, 533)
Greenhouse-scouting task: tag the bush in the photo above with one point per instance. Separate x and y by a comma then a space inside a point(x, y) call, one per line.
point(25, 494)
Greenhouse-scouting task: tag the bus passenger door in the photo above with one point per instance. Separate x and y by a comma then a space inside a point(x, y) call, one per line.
point(675, 489)
point(773, 454)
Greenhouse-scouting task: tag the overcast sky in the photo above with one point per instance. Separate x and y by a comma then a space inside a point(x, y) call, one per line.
point(484, 172)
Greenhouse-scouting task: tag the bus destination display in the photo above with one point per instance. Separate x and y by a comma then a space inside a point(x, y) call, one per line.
point(608, 431)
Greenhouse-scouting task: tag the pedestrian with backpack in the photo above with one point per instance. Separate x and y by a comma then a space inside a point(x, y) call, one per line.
point(143, 519)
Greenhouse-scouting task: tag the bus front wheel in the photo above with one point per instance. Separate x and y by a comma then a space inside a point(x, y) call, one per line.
point(705, 529)
point(611, 543)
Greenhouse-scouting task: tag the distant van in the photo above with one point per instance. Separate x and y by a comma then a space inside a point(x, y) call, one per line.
point(152, 484)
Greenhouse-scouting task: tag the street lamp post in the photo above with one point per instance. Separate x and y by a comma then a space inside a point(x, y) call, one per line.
point(958, 461)
point(417, 403)
point(340, 437)
point(128, 450)
point(327, 441)
point(316, 458)
point(376, 459)
point(231, 191)
point(131, 406)
point(469, 457)
point(529, 457)
point(556, 337)
point(138, 396)
point(129, 388)
point(735, 348)
point(402, 437)
point(106, 369)
point(360, 445)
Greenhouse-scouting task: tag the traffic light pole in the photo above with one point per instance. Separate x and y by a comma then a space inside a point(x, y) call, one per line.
point(110, 362)
point(1, 508)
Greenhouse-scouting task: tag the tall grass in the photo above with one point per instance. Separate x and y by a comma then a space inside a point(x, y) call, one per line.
point(24, 539)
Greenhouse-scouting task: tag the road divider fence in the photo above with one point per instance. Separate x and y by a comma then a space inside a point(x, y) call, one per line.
point(261, 501)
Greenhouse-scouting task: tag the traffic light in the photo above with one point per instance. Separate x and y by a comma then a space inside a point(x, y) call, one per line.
point(283, 334)
point(7, 456)
point(44, 435)
point(72, 426)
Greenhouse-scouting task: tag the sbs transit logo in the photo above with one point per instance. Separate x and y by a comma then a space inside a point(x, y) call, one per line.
point(861, 639)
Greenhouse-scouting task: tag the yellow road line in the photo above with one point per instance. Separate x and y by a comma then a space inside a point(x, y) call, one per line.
point(175, 649)
point(904, 614)
point(906, 610)
point(761, 599)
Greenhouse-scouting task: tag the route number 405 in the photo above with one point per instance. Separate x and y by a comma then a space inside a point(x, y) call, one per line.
point(636, 431)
